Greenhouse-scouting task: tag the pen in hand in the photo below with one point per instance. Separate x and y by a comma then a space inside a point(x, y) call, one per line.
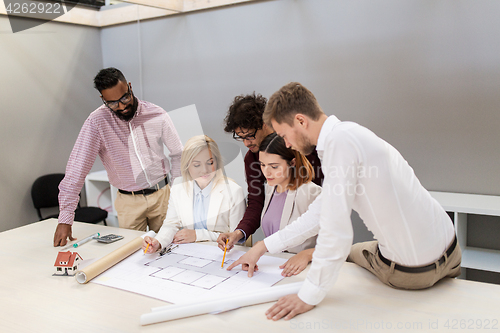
point(224, 257)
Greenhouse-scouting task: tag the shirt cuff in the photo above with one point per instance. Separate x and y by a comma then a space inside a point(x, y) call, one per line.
point(199, 235)
point(274, 244)
point(203, 235)
point(162, 242)
point(66, 218)
point(310, 293)
point(244, 239)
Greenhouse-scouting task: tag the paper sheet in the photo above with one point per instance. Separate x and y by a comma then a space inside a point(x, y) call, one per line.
point(230, 302)
point(191, 272)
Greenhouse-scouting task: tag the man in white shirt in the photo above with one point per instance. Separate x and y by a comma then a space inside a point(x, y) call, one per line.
point(415, 239)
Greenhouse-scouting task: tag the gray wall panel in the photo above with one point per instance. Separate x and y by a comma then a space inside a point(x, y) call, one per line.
point(424, 75)
point(47, 93)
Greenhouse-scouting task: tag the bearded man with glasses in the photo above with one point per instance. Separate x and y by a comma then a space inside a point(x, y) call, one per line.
point(244, 121)
point(129, 136)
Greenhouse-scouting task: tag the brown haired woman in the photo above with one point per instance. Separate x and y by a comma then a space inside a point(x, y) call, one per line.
point(289, 191)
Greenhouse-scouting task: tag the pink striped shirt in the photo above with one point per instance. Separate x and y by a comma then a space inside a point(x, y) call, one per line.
point(131, 152)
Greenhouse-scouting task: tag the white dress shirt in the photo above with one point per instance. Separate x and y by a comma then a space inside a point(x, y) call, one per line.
point(201, 204)
point(364, 173)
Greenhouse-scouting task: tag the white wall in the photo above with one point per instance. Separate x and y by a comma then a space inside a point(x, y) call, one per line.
point(46, 94)
point(423, 75)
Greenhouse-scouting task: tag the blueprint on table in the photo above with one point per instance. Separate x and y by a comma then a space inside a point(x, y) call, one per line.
point(191, 272)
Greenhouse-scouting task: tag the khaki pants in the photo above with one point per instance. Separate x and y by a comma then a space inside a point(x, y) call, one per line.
point(136, 211)
point(366, 255)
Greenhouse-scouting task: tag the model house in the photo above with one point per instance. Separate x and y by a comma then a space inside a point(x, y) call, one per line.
point(67, 263)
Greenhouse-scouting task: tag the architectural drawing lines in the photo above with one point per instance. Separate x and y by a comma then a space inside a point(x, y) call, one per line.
point(191, 270)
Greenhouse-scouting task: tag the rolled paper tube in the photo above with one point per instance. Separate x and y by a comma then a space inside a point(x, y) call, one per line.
point(166, 313)
point(111, 259)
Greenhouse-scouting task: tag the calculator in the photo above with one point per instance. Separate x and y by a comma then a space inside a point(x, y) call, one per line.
point(109, 238)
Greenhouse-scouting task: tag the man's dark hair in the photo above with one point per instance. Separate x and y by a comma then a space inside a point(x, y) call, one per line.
point(245, 112)
point(108, 78)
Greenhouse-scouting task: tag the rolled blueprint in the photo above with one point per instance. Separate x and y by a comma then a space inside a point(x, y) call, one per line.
point(111, 259)
point(171, 312)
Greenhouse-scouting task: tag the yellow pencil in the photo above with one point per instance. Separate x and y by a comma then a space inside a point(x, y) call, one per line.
point(146, 250)
point(225, 248)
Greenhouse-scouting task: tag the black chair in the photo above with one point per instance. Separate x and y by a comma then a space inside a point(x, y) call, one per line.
point(45, 192)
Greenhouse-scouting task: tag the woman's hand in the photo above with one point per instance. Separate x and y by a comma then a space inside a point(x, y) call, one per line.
point(297, 263)
point(154, 245)
point(185, 236)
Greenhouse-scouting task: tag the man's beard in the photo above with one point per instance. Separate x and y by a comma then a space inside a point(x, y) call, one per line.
point(132, 107)
point(305, 146)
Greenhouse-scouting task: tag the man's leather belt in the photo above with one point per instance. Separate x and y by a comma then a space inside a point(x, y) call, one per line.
point(421, 269)
point(150, 190)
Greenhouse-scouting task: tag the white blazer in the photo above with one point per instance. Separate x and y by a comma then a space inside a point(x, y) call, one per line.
point(296, 204)
point(226, 208)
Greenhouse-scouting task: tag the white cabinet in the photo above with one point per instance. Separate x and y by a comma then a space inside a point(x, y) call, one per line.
point(462, 205)
point(100, 193)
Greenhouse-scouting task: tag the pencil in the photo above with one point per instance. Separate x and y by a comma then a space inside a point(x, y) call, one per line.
point(225, 248)
point(146, 250)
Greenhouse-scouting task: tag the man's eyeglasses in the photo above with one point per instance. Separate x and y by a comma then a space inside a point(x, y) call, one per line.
point(246, 137)
point(113, 105)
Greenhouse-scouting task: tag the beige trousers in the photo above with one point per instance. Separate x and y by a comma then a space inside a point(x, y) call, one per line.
point(366, 255)
point(136, 211)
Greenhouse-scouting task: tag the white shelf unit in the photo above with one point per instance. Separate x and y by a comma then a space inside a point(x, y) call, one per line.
point(100, 193)
point(461, 205)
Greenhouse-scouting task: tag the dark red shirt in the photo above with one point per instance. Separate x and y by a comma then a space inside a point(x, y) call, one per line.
point(255, 181)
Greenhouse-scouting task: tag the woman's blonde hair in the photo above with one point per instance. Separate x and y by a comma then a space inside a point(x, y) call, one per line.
point(193, 147)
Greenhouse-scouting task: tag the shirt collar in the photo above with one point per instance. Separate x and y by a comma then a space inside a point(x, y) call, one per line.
point(205, 192)
point(139, 108)
point(327, 127)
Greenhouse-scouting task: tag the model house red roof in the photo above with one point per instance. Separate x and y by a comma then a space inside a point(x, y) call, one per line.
point(66, 259)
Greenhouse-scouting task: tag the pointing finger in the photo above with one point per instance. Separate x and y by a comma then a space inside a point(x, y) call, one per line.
point(234, 264)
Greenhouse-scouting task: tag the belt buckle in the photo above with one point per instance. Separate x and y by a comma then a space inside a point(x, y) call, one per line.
point(162, 183)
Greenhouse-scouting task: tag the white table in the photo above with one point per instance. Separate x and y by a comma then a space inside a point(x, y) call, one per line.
point(32, 300)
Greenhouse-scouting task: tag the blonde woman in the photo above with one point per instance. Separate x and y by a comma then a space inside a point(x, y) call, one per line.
point(203, 203)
